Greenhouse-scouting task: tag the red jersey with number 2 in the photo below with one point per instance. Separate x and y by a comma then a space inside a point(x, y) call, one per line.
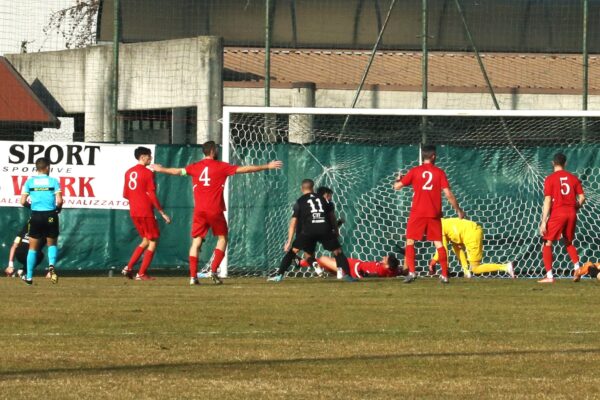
point(140, 190)
point(208, 179)
point(563, 187)
point(427, 181)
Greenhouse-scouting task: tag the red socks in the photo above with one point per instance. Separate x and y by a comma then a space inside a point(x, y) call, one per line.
point(443, 257)
point(547, 257)
point(573, 253)
point(137, 253)
point(409, 254)
point(218, 256)
point(193, 267)
point(148, 255)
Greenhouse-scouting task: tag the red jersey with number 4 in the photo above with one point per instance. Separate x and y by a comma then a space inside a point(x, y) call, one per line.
point(208, 179)
point(140, 190)
point(563, 187)
point(427, 181)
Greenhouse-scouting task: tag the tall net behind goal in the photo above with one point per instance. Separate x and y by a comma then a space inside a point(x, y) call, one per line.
point(496, 167)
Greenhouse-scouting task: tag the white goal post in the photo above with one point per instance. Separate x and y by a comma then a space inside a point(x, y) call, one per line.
point(514, 139)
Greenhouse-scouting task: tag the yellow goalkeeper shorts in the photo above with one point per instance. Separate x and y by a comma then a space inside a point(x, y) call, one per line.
point(474, 245)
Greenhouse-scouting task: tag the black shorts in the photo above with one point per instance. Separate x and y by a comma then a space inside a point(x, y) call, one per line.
point(43, 224)
point(21, 256)
point(308, 242)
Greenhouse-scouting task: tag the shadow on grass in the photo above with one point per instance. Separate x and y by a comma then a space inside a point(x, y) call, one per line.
point(207, 366)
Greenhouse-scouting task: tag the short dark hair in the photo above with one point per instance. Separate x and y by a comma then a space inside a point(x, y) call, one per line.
point(427, 151)
point(393, 262)
point(559, 159)
point(308, 184)
point(42, 163)
point(208, 147)
point(142, 151)
point(323, 190)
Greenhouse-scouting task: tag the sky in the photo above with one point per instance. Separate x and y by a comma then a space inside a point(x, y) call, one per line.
point(24, 20)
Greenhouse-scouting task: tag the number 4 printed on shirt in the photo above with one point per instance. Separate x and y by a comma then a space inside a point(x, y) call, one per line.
point(204, 177)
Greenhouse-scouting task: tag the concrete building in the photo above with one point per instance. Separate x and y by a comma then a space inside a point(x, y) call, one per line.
point(173, 83)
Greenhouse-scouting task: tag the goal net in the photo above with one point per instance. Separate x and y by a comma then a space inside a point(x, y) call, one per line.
point(496, 163)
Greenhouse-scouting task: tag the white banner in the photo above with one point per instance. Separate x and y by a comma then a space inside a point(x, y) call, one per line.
point(91, 175)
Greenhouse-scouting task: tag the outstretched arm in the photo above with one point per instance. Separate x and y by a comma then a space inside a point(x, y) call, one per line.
point(168, 171)
point(398, 184)
point(453, 202)
point(256, 168)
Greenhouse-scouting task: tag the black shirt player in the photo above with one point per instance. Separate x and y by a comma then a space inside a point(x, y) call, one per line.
point(19, 251)
point(317, 224)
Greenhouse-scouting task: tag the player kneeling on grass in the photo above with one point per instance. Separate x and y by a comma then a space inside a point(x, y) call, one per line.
point(467, 243)
point(387, 267)
point(19, 251)
point(316, 217)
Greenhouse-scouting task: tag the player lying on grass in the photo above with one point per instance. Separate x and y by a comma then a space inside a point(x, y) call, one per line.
point(589, 268)
point(467, 243)
point(387, 267)
point(19, 251)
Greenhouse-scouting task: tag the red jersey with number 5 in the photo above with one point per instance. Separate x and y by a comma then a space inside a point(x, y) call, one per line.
point(140, 190)
point(563, 187)
point(208, 180)
point(427, 181)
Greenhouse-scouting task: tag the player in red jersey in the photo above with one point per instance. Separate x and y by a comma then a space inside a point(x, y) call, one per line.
point(428, 182)
point(208, 177)
point(140, 190)
point(387, 267)
point(563, 196)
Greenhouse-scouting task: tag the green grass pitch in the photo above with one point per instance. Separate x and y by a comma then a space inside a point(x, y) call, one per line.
point(110, 338)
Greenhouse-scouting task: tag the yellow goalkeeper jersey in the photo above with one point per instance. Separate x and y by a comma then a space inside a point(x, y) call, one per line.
point(459, 231)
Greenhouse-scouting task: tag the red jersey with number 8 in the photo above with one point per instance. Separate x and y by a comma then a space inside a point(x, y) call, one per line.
point(140, 190)
point(427, 181)
point(563, 187)
point(208, 180)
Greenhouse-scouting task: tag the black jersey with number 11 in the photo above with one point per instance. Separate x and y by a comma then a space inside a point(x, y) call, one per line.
point(313, 214)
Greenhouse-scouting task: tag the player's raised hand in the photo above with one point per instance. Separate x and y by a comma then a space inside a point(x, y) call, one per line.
point(275, 165)
point(156, 167)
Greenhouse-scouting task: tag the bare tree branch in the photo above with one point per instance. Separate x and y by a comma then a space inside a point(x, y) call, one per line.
point(76, 24)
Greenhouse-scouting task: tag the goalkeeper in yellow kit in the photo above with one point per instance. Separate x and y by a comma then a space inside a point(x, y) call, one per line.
point(467, 243)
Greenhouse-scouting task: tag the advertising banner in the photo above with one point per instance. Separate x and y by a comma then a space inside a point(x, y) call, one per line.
point(90, 174)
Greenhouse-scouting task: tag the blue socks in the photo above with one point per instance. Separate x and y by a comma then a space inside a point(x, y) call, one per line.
point(52, 254)
point(31, 259)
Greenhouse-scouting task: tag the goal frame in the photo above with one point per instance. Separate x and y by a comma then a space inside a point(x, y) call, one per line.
point(229, 110)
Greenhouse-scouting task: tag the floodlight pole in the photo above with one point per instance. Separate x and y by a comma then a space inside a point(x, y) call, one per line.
point(115, 81)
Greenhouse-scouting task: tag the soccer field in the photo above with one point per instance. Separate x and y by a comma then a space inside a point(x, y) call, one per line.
point(303, 338)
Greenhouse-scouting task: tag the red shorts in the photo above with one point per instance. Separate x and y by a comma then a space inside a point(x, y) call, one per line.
point(354, 269)
point(418, 227)
point(147, 227)
point(561, 225)
point(203, 221)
